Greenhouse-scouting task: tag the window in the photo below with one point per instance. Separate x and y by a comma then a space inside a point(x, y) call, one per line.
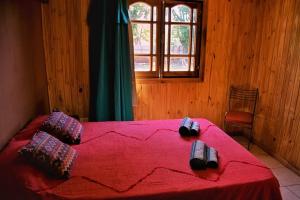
point(144, 28)
point(167, 38)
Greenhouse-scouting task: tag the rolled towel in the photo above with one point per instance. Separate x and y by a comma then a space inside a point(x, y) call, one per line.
point(195, 128)
point(212, 157)
point(198, 155)
point(185, 126)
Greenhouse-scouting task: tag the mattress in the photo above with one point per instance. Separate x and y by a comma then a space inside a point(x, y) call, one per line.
point(139, 160)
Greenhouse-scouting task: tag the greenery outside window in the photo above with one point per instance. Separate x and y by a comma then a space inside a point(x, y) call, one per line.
point(167, 37)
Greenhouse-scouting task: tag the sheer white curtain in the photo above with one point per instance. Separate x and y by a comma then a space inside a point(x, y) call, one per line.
point(134, 95)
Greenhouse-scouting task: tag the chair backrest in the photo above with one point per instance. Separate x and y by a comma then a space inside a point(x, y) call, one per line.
point(243, 99)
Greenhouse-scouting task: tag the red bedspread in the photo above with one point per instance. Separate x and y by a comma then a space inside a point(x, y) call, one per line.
point(139, 160)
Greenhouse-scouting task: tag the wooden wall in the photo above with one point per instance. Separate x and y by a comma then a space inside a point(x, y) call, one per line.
point(23, 83)
point(66, 53)
point(251, 43)
point(276, 72)
point(230, 34)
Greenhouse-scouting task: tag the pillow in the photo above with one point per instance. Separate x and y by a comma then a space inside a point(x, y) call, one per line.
point(63, 127)
point(50, 154)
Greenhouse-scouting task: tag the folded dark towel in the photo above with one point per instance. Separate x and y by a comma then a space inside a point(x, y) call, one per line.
point(185, 126)
point(212, 157)
point(198, 155)
point(195, 128)
point(203, 156)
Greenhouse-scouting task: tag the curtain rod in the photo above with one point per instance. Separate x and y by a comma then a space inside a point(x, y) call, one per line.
point(184, 0)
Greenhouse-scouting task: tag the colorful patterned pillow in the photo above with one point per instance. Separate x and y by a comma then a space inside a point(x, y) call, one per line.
point(50, 154)
point(64, 127)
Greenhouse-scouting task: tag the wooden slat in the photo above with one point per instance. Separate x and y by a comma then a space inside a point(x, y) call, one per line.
point(249, 43)
point(66, 51)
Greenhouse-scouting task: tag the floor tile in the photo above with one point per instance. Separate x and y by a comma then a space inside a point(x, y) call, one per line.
point(289, 181)
point(295, 189)
point(287, 195)
point(286, 177)
point(255, 150)
point(270, 161)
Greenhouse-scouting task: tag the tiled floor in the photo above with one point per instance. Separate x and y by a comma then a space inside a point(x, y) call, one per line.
point(288, 180)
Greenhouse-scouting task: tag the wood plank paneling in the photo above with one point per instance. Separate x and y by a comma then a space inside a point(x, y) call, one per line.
point(231, 31)
point(66, 52)
point(250, 43)
point(276, 73)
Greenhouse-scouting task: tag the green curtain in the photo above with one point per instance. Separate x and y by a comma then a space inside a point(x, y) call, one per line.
point(110, 67)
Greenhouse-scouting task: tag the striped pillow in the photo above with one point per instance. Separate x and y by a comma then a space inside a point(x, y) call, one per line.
point(64, 127)
point(50, 154)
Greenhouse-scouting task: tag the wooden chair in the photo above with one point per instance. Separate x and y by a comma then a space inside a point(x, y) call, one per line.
point(242, 104)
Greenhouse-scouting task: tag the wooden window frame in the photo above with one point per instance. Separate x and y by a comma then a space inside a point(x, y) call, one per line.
point(160, 39)
point(152, 3)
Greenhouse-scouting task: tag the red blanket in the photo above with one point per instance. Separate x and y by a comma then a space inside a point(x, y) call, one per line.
point(139, 160)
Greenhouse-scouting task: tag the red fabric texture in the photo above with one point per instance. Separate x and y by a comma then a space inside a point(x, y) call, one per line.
point(139, 160)
point(238, 117)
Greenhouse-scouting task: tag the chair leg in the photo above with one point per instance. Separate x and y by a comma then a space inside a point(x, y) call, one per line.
point(224, 126)
point(250, 138)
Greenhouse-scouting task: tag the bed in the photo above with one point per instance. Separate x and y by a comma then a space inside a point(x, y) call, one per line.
point(139, 160)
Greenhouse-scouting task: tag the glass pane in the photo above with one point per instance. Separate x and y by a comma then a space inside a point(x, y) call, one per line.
point(166, 64)
point(194, 40)
point(179, 64)
point(154, 38)
point(180, 39)
point(193, 64)
point(141, 38)
point(166, 14)
point(154, 13)
point(195, 15)
point(154, 63)
point(142, 63)
point(140, 11)
point(181, 13)
point(166, 39)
